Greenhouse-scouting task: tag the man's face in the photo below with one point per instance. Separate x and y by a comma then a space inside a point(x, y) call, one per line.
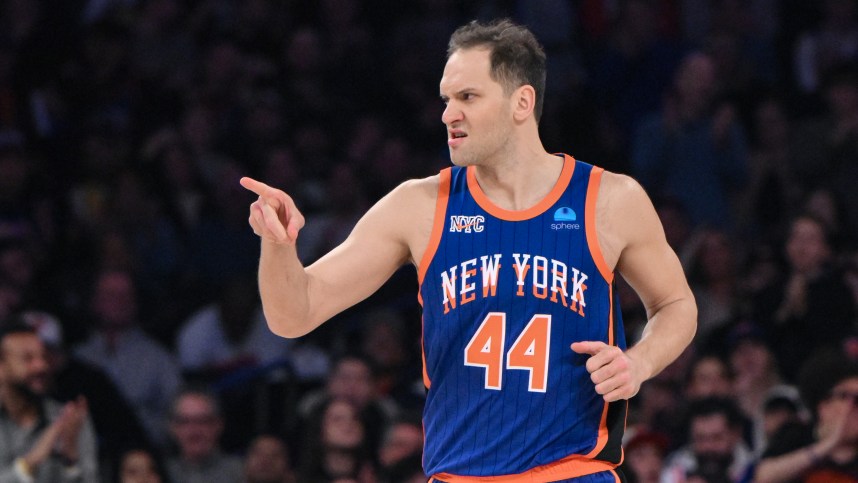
point(711, 435)
point(196, 427)
point(352, 381)
point(114, 300)
point(478, 115)
point(23, 365)
point(806, 247)
point(267, 461)
point(840, 406)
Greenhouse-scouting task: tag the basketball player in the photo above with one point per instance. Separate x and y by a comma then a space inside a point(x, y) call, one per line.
point(516, 251)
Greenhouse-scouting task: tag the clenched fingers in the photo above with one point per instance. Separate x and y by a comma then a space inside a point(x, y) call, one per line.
point(611, 370)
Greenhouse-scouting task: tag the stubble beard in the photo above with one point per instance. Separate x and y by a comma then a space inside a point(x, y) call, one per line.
point(496, 143)
point(30, 391)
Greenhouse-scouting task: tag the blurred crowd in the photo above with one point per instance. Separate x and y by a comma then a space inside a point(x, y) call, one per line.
point(127, 267)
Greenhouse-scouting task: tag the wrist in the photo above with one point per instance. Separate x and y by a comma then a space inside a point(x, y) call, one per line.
point(814, 455)
point(643, 366)
point(23, 469)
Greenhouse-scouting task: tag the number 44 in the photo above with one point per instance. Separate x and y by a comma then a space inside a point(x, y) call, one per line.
point(529, 352)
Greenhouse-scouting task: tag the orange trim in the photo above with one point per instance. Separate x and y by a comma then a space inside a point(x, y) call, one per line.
point(437, 226)
point(602, 439)
point(617, 478)
point(431, 248)
point(426, 381)
point(521, 215)
point(590, 224)
point(569, 467)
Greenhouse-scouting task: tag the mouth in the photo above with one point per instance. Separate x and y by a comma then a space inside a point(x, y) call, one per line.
point(455, 138)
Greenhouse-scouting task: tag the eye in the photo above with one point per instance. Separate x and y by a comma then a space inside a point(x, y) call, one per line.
point(467, 96)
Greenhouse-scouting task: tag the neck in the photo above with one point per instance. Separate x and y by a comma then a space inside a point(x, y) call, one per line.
point(521, 178)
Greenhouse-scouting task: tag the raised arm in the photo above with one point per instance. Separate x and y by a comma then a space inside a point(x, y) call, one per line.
point(296, 299)
point(632, 240)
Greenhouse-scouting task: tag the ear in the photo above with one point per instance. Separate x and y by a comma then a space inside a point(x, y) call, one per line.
point(523, 102)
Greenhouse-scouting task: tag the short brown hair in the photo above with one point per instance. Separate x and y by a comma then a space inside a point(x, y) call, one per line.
point(517, 58)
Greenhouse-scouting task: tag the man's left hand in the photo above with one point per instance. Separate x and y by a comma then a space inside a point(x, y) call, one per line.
point(615, 374)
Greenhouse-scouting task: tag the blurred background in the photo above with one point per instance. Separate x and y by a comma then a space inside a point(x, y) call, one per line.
point(126, 124)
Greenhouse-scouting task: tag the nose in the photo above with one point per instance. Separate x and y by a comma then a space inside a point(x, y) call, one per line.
point(39, 364)
point(451, 114)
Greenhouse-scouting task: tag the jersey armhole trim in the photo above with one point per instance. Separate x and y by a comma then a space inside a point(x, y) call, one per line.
point(437, 227)
point(590, 224)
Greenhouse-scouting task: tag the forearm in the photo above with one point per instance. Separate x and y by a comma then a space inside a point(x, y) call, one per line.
point(789, 466)
point(284, 289)
point(667, 333)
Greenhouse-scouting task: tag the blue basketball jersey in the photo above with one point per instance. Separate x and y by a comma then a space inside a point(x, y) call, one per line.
point(504, 295)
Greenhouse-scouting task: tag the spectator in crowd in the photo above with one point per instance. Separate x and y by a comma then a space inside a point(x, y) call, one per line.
point(715, 449)
point(694, 141)
point(659, 407)
point(827, 143)
point(267, 461)
point(403, 438)
point(139, 465)
point(143, 370)
point(755, 376)
point(713, 276)
point(709, 375)
point(834, 40)
point(644, 456)
point(229, 334)
point(384, 341)
point(115, 423)
point(774, 186)
point(196, 424)
point(352, 380)
point(336, 445)
point(782, 408)
point(346, 203)
point(42, 440)
point(828, 452)
point(810, 306)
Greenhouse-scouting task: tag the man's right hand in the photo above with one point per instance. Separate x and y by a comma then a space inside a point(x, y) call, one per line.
point(274, 216)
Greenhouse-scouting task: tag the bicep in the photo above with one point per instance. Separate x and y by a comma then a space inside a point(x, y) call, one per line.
point(647, 262)
point(356, 268)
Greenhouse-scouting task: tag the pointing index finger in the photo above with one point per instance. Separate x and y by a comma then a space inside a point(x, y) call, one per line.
point(257, 187)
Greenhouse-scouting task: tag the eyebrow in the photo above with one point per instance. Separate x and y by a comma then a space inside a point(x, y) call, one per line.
point(460, 92)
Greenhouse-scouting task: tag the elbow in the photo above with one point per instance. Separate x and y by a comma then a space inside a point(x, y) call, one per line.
point(287, 327)
point(692, 316)
point(692, 310)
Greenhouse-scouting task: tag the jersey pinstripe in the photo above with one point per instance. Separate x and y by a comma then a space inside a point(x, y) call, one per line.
point(504, 295)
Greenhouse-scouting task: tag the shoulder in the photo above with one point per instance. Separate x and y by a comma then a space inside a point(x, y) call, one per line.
point(418, 190)
point(617, 184)
point(624, 215)
point(408, 201)
point(621, 196)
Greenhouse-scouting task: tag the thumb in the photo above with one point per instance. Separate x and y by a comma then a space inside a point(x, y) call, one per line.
point(588, 347)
